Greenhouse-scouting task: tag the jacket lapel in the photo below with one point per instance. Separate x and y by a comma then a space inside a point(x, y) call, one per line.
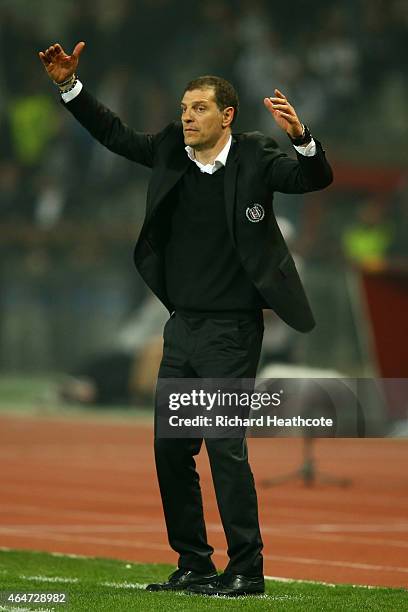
point(166, 179)
point(230, 185)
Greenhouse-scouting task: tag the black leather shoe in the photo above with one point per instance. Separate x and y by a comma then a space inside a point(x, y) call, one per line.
point(230, 585)
point(180, 580)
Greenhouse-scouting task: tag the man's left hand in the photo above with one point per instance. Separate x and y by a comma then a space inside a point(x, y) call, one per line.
point(284, 114)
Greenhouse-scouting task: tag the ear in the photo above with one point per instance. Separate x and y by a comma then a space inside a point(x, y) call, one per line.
point(227, 116)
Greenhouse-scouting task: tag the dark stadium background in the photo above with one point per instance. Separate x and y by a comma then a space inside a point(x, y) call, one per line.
point(73, 480)
point(70, 211)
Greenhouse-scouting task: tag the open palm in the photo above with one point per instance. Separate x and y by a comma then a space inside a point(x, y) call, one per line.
point(284, 114)
point(58, 64)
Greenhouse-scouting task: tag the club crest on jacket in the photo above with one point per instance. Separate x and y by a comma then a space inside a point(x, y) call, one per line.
point(255, 213)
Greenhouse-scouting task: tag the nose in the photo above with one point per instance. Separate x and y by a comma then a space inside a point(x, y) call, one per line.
point(186, 118)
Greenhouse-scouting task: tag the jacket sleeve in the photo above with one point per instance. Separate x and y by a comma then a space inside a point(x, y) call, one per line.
point(110, 131)
point(287, 175)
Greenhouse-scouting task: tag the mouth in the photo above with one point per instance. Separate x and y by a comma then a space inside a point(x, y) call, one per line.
point(188, 130)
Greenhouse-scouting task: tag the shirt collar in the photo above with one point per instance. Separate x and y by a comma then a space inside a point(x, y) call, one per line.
point(219, 161)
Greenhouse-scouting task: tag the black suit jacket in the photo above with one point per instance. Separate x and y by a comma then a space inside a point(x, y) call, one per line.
point(255, 169)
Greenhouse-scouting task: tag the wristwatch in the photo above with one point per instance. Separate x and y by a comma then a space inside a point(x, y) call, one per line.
point(302, 140)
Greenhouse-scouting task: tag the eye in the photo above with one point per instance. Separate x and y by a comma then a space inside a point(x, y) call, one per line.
point(201, 109)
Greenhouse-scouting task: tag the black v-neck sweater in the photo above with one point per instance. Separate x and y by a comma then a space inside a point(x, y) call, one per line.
point(202, 268)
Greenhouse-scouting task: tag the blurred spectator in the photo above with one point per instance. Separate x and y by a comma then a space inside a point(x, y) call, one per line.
point(399, 248)
point(343, 64)
point(368, 240)
point(332, 59)
point(32, 125)
point(127, 371)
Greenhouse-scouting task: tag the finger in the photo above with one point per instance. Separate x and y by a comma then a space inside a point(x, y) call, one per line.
point(79, 47)
point(52, 51)
point(48, 56)
point(280, 94)
point(280, 100)
point(55, 50)
point(50, 59)
point(276, 114)
point(59, 51)
point(284, 107)
point(43, 58)
point(290, 118)
point(269, 105)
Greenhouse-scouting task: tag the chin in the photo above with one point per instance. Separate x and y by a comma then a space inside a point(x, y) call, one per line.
point(192, 139)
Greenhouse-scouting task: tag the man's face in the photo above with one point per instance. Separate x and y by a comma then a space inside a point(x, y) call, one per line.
point(203, 122)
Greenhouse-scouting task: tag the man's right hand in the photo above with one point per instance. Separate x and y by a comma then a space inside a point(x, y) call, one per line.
point(58, 64)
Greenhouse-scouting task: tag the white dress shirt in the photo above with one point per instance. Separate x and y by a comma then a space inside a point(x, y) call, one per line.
point(218, 162)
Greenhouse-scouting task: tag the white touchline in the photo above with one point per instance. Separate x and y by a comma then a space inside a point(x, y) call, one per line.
point(154, 546)
point(13, 609)
point(124, 585)
point(138, 585)
point(48, 579)
point(328, 584)
point(345, 564)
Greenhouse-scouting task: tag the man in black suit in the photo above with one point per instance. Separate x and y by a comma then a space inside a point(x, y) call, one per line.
point(211, 250)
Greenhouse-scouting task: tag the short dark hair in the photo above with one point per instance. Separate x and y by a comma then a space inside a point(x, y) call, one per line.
point(224, 92)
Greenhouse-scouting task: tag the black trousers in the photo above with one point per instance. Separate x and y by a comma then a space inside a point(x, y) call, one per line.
point(196, 347)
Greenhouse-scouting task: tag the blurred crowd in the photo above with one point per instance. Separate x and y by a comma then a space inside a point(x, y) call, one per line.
point(69, 207)
point(342, 65)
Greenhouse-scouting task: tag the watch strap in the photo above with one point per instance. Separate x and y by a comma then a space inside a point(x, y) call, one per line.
point(302, 140)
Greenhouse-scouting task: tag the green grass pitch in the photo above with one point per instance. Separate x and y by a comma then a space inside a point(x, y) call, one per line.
point(97, 585)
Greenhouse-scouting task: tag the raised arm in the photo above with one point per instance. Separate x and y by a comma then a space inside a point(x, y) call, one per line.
point(102, 123)
point(310, 171)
